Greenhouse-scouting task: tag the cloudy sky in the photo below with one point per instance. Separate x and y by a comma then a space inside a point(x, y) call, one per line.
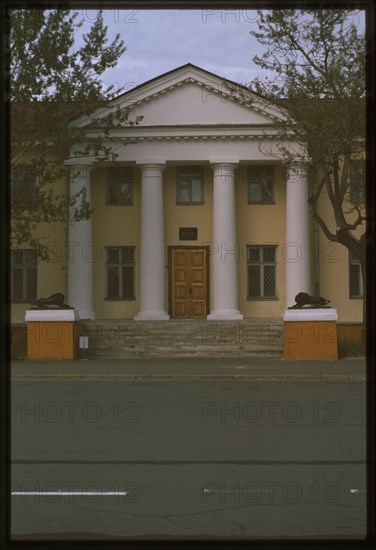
point(160, 40)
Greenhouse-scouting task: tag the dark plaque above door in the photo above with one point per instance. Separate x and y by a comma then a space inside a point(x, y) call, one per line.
point(187, 233)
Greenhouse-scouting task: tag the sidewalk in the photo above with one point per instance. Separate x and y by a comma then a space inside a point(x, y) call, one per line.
point(352, 369)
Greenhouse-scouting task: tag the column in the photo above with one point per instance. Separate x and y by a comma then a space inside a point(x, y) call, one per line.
point(226, 252)
point(297, 247)
point(309, 334)
point(80, 248)
point(152, 253)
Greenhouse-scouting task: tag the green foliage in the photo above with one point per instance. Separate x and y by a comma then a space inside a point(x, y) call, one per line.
point(315, 64)
point(44, 64)
point(53, 81)
point(34, 201)
point(315, 53)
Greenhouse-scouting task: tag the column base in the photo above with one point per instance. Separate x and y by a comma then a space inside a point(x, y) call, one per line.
point(85, 315)
point(225, 315)
point(152, 316)
point(310, 334)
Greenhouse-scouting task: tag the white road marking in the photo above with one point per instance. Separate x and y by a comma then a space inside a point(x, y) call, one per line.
point(68, 493)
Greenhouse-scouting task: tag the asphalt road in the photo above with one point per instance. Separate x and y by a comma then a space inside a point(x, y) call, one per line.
point(188, 460)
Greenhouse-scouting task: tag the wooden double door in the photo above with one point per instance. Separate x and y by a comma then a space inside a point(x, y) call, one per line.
point(188, 282)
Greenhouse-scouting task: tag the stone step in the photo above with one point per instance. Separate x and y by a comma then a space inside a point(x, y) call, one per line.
point(186, 354)
point(123, 338)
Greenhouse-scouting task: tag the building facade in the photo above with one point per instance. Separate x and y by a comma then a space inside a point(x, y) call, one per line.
point(195, 219)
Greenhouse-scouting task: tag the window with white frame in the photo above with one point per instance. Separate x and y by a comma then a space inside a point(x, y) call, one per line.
point(190, 188)
point(355, 277)
point(119, 186)
point(262, 272)
point(260, 184)
point(120, 264)
point(23, 275)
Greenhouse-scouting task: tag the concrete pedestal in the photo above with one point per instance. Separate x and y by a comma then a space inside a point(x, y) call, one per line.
point(310, 334)
point(52, 334)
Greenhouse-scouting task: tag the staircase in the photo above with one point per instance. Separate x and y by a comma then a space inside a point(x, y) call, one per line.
point(116, 339)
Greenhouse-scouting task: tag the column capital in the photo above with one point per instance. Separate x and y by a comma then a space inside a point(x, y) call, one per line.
point(80, 174)
point(223, 171)
point(151, 169)
point(229, 165)
point(297, 169)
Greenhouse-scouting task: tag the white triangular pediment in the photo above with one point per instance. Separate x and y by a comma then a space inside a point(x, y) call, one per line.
point(193, 104)
point(190, 96)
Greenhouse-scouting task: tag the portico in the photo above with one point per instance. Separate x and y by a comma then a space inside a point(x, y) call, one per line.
point(218, 136)
point(224, 247)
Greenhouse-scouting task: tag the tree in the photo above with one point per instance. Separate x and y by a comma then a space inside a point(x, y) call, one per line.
point(52, 80)
point(316, 72)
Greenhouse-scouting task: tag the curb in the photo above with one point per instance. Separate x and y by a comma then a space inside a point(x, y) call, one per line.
point(179, 377)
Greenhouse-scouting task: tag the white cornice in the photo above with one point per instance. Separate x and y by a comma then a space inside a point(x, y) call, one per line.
point(256, 137)
point(181, 133)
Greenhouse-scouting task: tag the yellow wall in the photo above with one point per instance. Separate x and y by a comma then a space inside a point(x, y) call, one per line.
point(264, 224)
point(177, 215)
point(261, 224)
point(114, 226)
point(52, 274)
point(334, 269)
point(187, 215)
point(256, 224)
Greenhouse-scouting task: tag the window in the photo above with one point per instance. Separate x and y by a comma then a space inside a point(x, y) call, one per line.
point(262, 272)
point(357, 181)
point(260, 184)
point(355, 277)
point(23, 185)
point(23, 275)
point(190, 188)
point(120, 273)
point(119, 186)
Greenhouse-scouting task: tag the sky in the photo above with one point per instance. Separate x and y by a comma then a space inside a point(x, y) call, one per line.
point(158, 41)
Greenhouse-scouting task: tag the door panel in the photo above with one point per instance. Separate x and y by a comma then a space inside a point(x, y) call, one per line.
point(189, 283)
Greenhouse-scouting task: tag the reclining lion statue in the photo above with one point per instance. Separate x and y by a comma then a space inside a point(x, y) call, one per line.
point(56, 300)
point(304, 299)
